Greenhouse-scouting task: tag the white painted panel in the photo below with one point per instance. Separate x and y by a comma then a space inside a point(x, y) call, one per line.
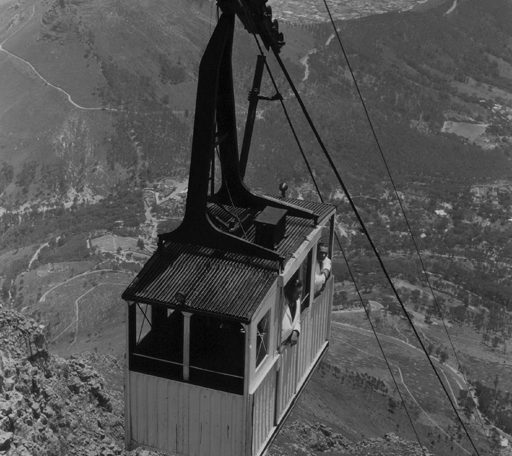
point(153, 411)
point(287, 379)
point(142, 412)
point(228, 427)
point(134, 416)
point(173, 416)
point(205, 413)
point(163, 416)
point(264, 411)
point(180, 418)
point(215, 425)
point(238, 428)
point(304, 350)
point(317, 315)
point(194, 429)
point(185, 411)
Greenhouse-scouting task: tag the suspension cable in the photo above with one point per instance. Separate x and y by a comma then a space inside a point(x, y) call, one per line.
point(397, 195)
point(306, 161)
point(343, 253)
point(365, 230)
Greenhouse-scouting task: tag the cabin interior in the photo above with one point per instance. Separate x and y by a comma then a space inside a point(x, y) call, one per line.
point(216, 348)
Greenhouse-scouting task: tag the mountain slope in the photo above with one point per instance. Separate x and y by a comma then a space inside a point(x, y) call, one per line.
point(433, 91)
point(120, 82)
point(425, 76)
point(80, 79)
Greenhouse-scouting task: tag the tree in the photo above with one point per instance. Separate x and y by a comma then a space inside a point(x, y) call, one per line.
point(415, 296)
point(140, 244)
point(496, 340)
point(467, 403)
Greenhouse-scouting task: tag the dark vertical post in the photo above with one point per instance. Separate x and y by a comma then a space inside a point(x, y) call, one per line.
point(332, 233)
point(251, 115)
point(207, 107)
point(132, 328)
point(186, 345)
point(212, 173)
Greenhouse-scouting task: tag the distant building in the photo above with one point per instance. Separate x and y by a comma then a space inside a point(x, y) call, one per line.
point(480, 191)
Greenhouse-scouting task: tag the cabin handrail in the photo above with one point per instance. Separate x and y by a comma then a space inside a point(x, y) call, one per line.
point(158, 359)
point(216, 372)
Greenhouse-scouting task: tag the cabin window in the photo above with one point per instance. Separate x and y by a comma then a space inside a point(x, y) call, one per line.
point(322, 266)
point(217, 349)
point(156, 341)
point(304, 274)
point(143, 321)
point(262, 338)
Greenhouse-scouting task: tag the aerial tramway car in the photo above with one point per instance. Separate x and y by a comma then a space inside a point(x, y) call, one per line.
point(207, 370)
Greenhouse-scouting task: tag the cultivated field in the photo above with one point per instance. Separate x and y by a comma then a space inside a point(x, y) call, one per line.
point(111, 242)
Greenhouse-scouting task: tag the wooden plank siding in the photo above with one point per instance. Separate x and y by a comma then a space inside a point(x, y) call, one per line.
point(305, 344)
point(297, 361)
point(264, 403)
point(184, 418)
point(321, 310)
point(286, 380)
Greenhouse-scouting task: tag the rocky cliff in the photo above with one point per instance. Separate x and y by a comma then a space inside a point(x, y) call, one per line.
point(51, 406)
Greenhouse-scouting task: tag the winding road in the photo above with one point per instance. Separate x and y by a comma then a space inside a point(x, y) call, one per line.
point(43, 298)
point(36, 254)
point(60, 89)
point(304, 62)
point(77, 314)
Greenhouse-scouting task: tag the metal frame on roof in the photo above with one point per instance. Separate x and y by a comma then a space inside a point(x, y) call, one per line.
point(202, 266)
point(215, 125)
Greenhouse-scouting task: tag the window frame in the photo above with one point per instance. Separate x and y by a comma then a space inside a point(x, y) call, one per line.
point(266, 340)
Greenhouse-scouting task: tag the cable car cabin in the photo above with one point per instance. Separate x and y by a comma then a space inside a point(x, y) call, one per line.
point(213, 366)
point(208, 373)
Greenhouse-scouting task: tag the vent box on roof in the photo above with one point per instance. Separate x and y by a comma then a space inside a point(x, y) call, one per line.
point(270, 226)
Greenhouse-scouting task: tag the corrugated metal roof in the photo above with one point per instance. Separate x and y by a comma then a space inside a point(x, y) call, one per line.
point(215, 281)
point(296, 228)
point(212, 281)
point(322, 210)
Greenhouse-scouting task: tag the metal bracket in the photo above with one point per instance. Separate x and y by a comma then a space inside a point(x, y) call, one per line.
point(215, 126)
point(256, 17)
